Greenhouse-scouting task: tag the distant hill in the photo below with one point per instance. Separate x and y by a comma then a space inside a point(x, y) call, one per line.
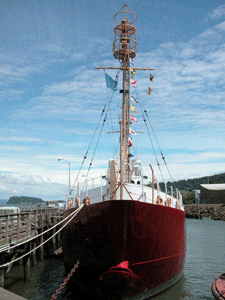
point(24, 200)
point(194, 184)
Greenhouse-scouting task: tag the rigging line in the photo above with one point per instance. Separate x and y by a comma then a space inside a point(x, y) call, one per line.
point(103, 123)
point(100, 133)
point(163, 157)
point(149, 135)
point(113, 138)
point(85, 156)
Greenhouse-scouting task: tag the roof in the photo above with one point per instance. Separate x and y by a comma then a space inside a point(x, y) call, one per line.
point(214, 186)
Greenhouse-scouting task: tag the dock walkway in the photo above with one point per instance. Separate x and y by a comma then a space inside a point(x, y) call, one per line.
point(6, 295)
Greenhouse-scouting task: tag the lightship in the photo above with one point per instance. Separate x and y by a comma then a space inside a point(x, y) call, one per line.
point(130, 238)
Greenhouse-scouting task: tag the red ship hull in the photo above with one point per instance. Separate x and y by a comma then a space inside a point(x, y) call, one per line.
point(125, 248)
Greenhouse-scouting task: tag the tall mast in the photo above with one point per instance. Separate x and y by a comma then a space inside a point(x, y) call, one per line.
point(124, 48)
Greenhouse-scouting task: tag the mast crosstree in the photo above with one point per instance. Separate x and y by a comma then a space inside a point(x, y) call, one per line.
point(124, 49)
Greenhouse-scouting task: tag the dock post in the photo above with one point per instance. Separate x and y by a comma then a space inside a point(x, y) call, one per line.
point(41, 248)
point(54, 238)
point(41, 239)
point(33, 254)
point(7, 230)
point(26, 264)
point(2, 278)
point(58, 237)
point(26, 267)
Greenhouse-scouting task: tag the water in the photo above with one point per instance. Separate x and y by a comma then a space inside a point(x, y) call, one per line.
point(205, 260)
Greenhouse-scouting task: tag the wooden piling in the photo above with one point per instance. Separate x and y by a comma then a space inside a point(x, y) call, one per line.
point(26, 267)
point(26, 263)
point(54, 238)
point(7, 230)
point(33, 254)
point(41, 238)
point(2, 278)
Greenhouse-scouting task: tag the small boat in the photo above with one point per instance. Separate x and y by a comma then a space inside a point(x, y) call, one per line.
point(129, 237)
point(218, 287)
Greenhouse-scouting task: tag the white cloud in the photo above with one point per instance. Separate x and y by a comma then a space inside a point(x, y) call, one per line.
point(36, 186)
point(79, 56)
point(57, 116)
point(218, 12)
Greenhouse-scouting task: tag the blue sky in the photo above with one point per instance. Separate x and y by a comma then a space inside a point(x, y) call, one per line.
point(51, 96)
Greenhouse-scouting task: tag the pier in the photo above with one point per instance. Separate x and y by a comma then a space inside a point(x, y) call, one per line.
point(25, 231)
point(6, 295)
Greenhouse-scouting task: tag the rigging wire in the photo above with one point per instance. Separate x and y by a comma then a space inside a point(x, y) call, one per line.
point(100, 133)
point(148, 119)
point(89, 146)
point(163, 157)
point(86, 154)
point(149, 135)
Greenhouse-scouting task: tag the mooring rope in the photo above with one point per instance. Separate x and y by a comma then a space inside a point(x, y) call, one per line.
point(73, 215)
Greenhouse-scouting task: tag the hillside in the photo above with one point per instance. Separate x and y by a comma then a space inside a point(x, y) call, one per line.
point(24, 200)
point(194, 184)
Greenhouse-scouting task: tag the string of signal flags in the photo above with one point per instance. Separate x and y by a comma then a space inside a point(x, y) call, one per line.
point(112, 84)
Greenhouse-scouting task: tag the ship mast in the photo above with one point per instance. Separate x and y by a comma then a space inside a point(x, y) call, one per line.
point(124, 49)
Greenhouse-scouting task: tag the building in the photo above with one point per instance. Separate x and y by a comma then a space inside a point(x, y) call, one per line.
point(197, 196)
point(212, 193)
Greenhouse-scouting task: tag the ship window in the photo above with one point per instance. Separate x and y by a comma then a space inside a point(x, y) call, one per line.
point(138, 182)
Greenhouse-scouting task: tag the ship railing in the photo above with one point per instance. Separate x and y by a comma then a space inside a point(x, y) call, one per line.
point(95, 191)
point(177, 202)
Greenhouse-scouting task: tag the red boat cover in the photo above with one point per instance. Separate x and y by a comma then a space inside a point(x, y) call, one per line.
point(218, 288)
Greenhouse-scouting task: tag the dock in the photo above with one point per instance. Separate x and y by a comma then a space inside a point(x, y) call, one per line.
point(6, 295)
point(21, 225)
point(18, 229)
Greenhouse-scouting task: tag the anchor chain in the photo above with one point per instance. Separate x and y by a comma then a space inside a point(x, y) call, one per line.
point(66, 280)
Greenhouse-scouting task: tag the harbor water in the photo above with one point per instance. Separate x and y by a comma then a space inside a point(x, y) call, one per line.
point(205, 260)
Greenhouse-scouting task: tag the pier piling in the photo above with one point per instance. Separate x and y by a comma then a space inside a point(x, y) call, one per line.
point(2, 278)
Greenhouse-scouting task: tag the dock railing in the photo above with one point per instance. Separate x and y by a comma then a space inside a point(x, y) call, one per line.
point(17, 226)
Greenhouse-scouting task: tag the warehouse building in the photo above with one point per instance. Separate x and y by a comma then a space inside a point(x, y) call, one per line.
point(212, 193)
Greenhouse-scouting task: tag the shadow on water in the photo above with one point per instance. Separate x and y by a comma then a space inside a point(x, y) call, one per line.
point(45, 279)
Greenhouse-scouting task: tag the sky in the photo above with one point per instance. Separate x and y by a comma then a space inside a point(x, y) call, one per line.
point(52, 96)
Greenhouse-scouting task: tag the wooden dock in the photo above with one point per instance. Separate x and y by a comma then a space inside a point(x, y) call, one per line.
point(6, 295)
point(14, 227)
point(20, 227)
